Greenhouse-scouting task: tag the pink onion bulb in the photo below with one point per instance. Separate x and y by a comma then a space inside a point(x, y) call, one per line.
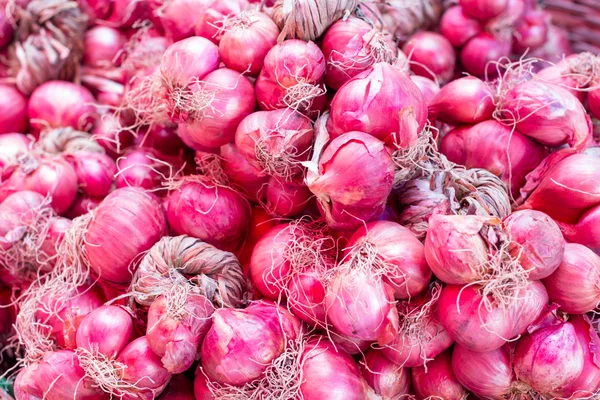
point(431, 55)
point(95, 172)
point(13, 110)
point(437, 379)
point(386, 378)
point(103, 45)
point(531, 32)
point(12, 145)
point(427, 87)
point(106, 330)
point(483, 10)
point(483, 54)
point(586, 230)
point(466, 100)
point(457, 27)
point(241, 174)
point(141, 168)
point(286, 199)
point(178, 17)
point(210, 21)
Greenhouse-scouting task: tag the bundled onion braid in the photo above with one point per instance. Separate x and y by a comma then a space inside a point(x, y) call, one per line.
point(309, 19)
point(213, 273)
point(67, 140)
point(49, 41)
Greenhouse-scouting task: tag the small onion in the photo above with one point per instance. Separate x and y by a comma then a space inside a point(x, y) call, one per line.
point(95, 172)
point(103, 45)
point(483, 10)
point(82, 205)
point(431, 55)
point(436, 380)
point(210, 21)
point(466, 100)
point(286, 199)
point(531, 32)
point(241, 174)
point(457, 27)
point(483, 54)
point(386, 378)
point(13, 114)
point(106, 329)
point(141, 168)
point(12, 145)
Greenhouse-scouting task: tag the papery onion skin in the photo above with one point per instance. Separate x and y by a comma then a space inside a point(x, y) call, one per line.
point(575, 285)
point(13, 111)
point(244, 47)
point(241, 174)
point(471, 324)
point(483, 54)
point(431, 55)
point(386, 378)
point(458, 27)
point(216, 214)
point(58, 104)
point(466, 100)
point(536, 241)
point(489, 374)
point(437, 379)
point(495, 147)
point(95, 173)
point(358, 104)
point(128, 222)
point(347, 200)
point(402, 253)
point(107, 330)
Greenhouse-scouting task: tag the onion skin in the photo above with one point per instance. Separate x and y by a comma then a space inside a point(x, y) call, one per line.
point(431, 55)
point(241, 174)
point(13, 113)
point(437, 379)
point(385, 377)
point(12, 145)
point(102, 46)
point(482, 55)
point(536, 241)
point(483, 10)
point(106, 329)
point(82, 205)
point(109, 134)
point(427, 87)
point(399, 248)
point(464, 317)
point(244, 48)
point(358, 104)
point(457, 27)
point(531, 32)
point(575, 284)
point(286, 199)
point(128, 222)
point(586, 231)
point(466, 100)
point(346, 201)
point(208, 23)
point(229, 352)
point(58, 104)
point(139, 168)
point(508, 155)
point(215, 214)
point(180, 388)
point(487, 374)
point(95, 173)
point(306, 297)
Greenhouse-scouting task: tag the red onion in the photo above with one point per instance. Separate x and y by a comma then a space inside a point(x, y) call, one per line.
point(436, 380)
point(144, 51)
point(6, 30)
point(575, 285)
point(421, 336)
point(163, 138)
point(260, 223)
point(95, 172)
point(531, 31)
point(241, 174)
point(292, 77)
point(556, 47)
point(594, 101)
point(457, 27)
point(141, 168)
point(178, 17)
point(346, 201)
point(206, 210)
point(201, 389)
point(466, 100)
point(128, 222)
point(483, 55)
point(177, 324)
point(110, 134)
point(95, 9)
point(106, 329)
point(567, 189)
point(386, 378)
point(358, 104)
point(427, 87)
point(82, 205)
point(431, 55)
point(125, 13)
point(58, 104)
point(306, 297)
point(495, 147)
point(220, 102)
point(483, 10)
point(103, 46)
point(275, 142)
point(547, 113)
point(585, 231)
point(483, 323)
point(536, 242)
point(400, 253)
point(12, 145)
point(246, 42)
point(286, 199)
point(509, 18)
point(351, 46)
point(213, 17)
point(55, 235)
point(13, 111)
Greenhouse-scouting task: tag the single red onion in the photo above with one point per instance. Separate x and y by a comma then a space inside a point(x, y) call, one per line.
point(483, 10)
point(352, 45)
point(141, 168)
point(484, 54)
point(214, 18)
point(106, 330)
point(585, 231)
point(103, 46)
point(246, 42)
point(292, 76)
point(427, 87)
point(126, 223)
point(402, 256)
point(95, 172)
point(386, 378)
point(437, 380)
point(12, 145)
point(208, 211)
point(82, 205)
point(222, 99)
point(13, 111)
point(163, 138)
point(536, 241)
point(260, 223)
point(575, 285)
point(531, 32)
point(59, 104)
point(457, 27)
point(347, 201)
point(110, 134)
point(306, 297)
point(6, 30)
point(286, 199)
point(358, 104)
point(491, 145)
point(178, 17)
point(466, 100)
point(241, 174)
point(431, 55)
